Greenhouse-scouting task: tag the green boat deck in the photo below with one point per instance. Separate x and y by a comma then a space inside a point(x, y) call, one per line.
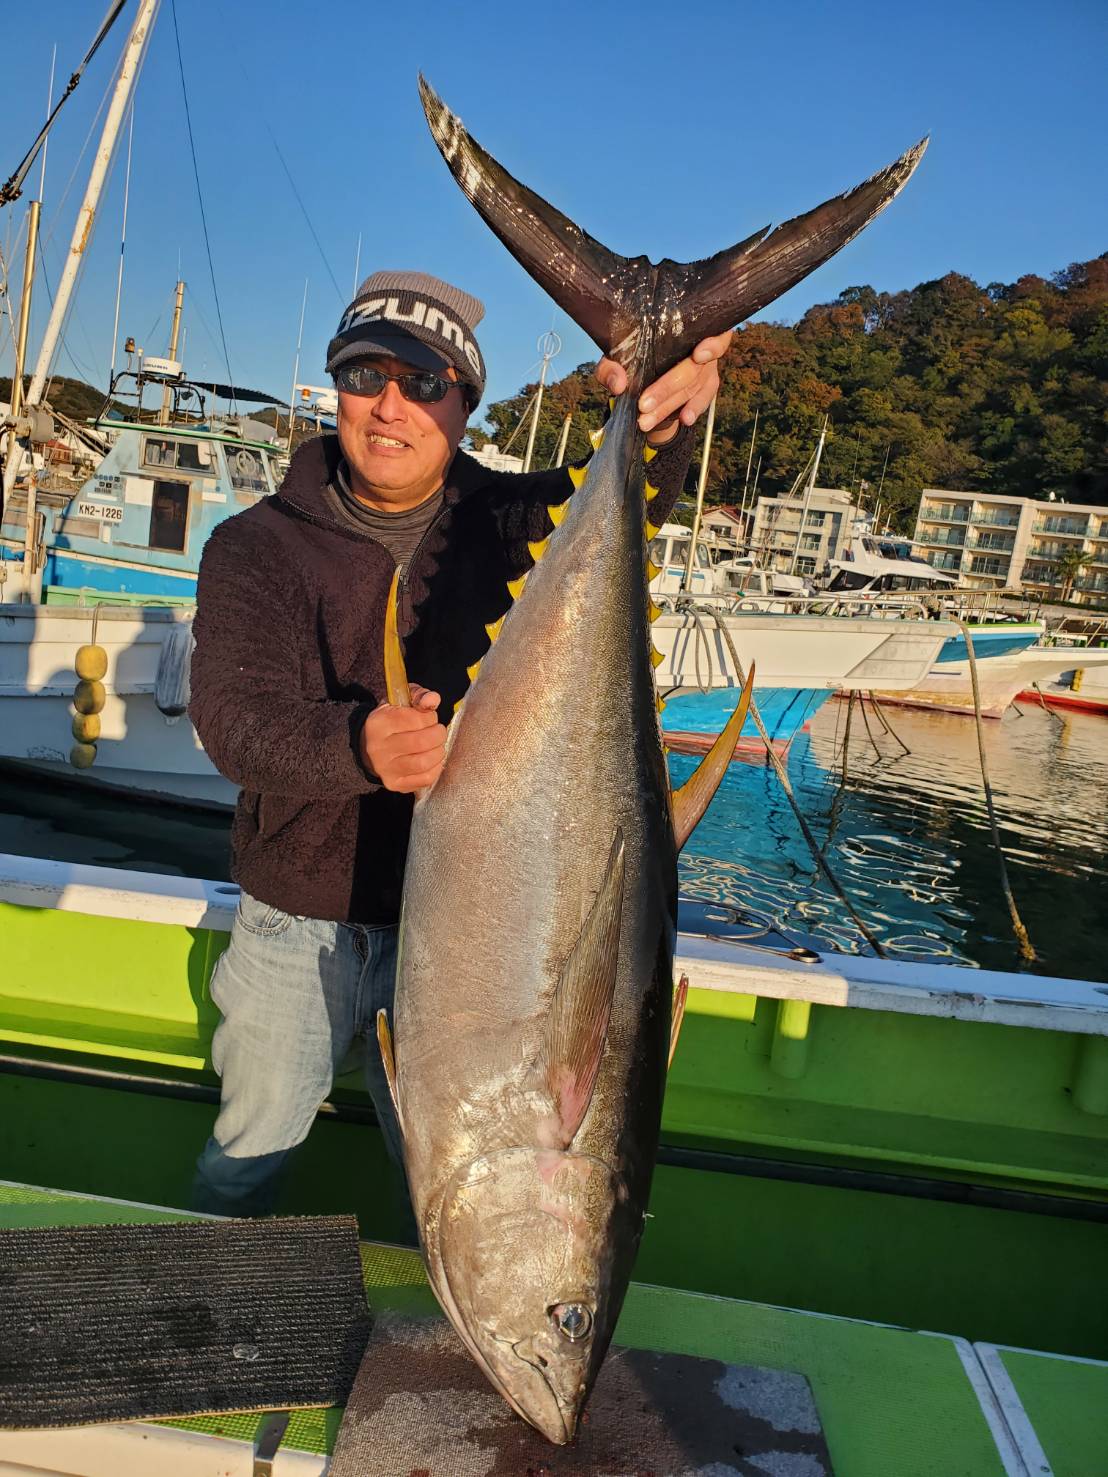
point(894, 1402)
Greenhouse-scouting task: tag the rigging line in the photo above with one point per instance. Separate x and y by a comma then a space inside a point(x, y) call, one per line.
point(55, 219)
point(200, 197)
point(303, 208)
point(786, 784)
point(1018, 928)
point(63, 339)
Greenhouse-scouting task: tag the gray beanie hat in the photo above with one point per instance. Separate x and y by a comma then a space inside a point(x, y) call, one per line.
point(413, 317)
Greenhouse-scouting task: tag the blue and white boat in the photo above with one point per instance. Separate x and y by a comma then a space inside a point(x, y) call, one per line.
point(128, 515)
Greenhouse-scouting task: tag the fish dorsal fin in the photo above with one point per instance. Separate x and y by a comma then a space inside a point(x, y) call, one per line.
point(577, 1021)
point(388, 1061)
point(396, 674)
point(695, 795)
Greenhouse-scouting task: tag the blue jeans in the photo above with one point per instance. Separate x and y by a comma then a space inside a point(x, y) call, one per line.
point(296, 994)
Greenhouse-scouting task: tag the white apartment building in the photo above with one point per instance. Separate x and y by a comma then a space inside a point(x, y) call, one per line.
point(827, 525)
point(1015, 542)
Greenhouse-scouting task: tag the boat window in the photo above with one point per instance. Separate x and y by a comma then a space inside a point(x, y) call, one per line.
point(169, 516)
point(702, 559)
point(186, 456)
point(849, 579)
point(247, 471)
point(658, 550)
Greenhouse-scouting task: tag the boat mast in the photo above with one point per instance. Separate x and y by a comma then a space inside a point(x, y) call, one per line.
point(809, 489)
point(175, 332)
point(82, 234)
point(701, 484)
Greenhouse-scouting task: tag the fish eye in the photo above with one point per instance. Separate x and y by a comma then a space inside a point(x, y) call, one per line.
point(573, 1320)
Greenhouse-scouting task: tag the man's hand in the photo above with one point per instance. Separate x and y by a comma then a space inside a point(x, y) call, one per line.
point(405, 747)
point(679, 396)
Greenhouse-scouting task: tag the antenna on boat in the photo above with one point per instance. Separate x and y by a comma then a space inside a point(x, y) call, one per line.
point(296, 362)
point(123, 247)
point(549, 346)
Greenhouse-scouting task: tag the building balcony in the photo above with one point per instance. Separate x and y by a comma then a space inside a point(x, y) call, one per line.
point(950, 562)
point(951, 536)
point(1067, 527)
point(943, 513)
point(996, 520)
point(995, 543)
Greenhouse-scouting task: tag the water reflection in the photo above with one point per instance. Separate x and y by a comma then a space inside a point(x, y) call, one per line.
point(908, 837)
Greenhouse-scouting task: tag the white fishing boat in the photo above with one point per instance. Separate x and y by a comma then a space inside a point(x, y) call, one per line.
point(147, 746)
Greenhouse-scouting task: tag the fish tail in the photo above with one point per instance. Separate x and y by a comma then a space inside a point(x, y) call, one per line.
point(649, 316)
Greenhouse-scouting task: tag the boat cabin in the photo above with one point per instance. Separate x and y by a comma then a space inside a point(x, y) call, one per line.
point(877, 564)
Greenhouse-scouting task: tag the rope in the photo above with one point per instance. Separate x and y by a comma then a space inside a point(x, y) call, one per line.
point(889, 729)
point(200, 197)
point(782, 775)
point(1017, 922)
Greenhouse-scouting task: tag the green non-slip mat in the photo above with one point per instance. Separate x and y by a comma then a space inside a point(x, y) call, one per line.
point(130, 1322)
point(421, 1405)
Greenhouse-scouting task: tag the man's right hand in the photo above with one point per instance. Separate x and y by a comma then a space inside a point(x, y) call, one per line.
point(405, 747)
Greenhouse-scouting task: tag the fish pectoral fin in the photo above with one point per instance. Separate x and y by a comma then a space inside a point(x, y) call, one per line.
point(396, 674)
point(577, 1023)
point(695, 795)
point(388, 1061)
point(680, 998)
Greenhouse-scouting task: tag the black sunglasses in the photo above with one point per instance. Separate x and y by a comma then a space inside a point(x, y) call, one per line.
point(421, 385)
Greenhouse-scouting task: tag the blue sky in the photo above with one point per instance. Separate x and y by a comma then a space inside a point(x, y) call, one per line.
point(666, 129)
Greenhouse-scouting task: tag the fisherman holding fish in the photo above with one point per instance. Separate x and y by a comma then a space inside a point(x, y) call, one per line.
point(289, 695)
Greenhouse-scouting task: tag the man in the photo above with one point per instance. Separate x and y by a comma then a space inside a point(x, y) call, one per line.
point(288, 694)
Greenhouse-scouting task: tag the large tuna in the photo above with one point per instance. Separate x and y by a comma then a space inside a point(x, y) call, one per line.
point(529, 1047)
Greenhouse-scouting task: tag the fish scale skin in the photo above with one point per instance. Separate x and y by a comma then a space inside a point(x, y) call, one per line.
point(556, 748)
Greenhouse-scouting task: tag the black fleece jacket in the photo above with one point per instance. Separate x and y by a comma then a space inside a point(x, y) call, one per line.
point(289, 661)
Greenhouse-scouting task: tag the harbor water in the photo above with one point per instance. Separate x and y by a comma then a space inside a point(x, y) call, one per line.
point(907, 834)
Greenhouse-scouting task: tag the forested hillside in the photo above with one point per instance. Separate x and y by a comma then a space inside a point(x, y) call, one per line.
point(1001, 388)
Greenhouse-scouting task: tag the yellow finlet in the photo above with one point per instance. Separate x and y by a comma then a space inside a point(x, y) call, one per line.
point(653, 611)
point(396, 677)
point(458, 704)
point(596, 437)
point(652, 570)
point(577, 475)
point(651, 529)
point(677, 1015)
point(557, 512)
point(611, 403)
point(659, 703)
point(515, 587)
point(471, 672)
point(651, 493)
point(649, 453)
point(538, 549)
point(656, 656)
point(388, 1061)
point(492, 630)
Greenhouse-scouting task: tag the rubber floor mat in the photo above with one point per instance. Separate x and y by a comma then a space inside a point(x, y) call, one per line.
point(420, 1407)
point(131, 1322)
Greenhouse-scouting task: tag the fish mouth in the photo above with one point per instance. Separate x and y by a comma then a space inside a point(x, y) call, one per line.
point(540, 1406)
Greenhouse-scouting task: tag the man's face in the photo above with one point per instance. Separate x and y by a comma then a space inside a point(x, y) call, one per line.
point(398, 450)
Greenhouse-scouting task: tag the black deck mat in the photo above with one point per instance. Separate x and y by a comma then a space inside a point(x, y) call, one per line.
point(420, 1407)
point(104, 1323)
